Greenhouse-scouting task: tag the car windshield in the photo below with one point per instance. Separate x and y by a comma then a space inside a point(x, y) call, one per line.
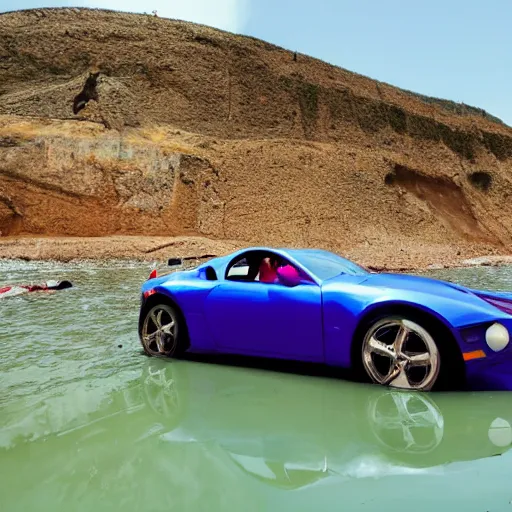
point(326, 265)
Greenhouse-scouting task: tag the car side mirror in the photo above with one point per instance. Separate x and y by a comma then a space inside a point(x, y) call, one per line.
point(288, 275)
point(174, 262)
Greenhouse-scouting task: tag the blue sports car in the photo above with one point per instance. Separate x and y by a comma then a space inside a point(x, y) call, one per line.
point(311, 305)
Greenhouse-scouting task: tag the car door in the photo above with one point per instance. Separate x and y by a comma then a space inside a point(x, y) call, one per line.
point(264, 319)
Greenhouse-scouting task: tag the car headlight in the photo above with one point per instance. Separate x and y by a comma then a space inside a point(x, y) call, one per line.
point(497, 337)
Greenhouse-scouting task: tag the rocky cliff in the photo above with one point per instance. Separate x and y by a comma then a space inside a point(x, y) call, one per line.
point(124, 124)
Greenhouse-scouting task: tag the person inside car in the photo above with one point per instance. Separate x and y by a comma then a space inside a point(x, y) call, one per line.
point(268, 270)
point(272, 268)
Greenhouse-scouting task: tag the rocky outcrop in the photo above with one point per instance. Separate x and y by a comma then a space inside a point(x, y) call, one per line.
point(96, 184)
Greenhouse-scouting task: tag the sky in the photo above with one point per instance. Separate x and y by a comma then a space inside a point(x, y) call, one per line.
point(452, 49)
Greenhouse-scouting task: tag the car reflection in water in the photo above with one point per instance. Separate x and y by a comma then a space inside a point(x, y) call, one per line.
point(213, 437)
point(291, 432)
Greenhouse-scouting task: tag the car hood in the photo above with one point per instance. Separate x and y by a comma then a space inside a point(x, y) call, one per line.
point(416, 283)
point(431, 286)
point(458, 304)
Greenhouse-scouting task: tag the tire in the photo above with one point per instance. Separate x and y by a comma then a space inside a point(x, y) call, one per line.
point(400, 352)
point(163, 331)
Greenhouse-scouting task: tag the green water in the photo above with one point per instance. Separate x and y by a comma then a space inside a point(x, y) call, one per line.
point(87, 423)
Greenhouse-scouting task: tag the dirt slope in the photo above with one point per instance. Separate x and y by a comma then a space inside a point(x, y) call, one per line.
point(198, 132)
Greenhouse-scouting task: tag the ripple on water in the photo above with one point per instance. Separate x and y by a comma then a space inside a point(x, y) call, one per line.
point(487, 278)
point(51, 340)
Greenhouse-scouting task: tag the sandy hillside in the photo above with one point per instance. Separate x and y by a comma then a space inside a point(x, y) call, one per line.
point(188, 131)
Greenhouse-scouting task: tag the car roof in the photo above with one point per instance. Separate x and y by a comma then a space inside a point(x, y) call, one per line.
point(292, 254)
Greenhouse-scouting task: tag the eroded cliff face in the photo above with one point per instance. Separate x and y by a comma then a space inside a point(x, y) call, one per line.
point(79, 179)
point(198, 132)
point(93, 183)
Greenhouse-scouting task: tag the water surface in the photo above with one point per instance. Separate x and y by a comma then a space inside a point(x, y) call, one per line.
point(87, 423)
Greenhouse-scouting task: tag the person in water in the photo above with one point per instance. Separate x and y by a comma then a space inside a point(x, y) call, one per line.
point(20, 289)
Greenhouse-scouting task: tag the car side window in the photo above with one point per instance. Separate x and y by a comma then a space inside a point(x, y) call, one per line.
point(263, 268)
point(239, 271)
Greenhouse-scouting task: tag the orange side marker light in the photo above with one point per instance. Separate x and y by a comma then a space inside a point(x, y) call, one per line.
point(476, 354)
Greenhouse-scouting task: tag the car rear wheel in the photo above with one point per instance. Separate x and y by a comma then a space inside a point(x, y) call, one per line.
point(400, 353)
point(161, 333)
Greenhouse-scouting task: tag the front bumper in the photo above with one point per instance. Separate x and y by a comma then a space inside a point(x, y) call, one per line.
point(489, 370)
point(490, 376)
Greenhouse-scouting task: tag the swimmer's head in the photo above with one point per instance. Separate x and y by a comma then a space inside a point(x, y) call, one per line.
point(58, 285)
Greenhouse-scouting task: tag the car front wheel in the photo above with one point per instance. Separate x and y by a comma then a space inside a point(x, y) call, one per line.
point(400, 353)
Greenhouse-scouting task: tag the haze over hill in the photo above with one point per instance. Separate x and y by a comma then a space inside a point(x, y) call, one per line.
point(197, 132)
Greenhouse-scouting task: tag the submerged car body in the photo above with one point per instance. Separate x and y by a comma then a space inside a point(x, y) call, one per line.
point(336, 313)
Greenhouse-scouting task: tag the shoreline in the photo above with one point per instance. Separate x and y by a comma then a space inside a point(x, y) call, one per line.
point(196, 249)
